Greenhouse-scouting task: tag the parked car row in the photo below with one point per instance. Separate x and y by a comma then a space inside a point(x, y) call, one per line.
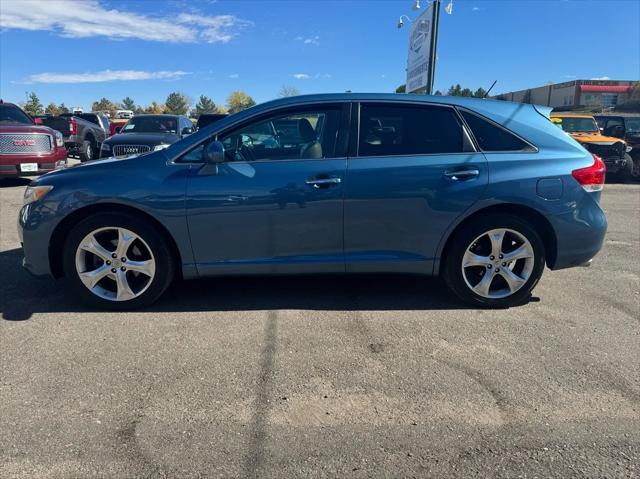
point(32, 146)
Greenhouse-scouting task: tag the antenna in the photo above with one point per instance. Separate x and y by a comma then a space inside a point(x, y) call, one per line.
point(490, 88)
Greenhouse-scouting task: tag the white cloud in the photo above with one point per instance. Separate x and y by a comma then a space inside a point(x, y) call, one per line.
point(313, 40)
point(601, 78)
point(88, 18)
point(475, 9)
point(103, 76)
point(306, 76)
point(234, 75)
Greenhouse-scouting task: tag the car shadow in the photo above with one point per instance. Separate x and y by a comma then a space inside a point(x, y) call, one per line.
point(24, 295)
point(14, 182)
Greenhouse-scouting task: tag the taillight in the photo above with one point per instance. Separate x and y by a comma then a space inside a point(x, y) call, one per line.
point(73, 127)
point(591, 178)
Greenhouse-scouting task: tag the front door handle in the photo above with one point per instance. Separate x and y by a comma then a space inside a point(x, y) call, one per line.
point(458, 175)
point(323, 182)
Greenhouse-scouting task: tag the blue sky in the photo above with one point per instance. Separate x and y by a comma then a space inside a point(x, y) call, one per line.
point(148, 48)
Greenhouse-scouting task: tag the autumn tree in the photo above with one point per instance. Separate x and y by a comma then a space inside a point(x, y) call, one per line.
point(402, 89)
point(52, 109)
point(155, 108)
point(238, 101)
point(106, 105)
point(177, 103)
point(33, 105)
point(288, 90)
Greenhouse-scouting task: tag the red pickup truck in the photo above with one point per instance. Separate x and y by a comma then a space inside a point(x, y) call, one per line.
point(27, 148)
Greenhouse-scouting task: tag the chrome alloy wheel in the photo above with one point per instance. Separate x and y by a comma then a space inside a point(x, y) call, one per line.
point(115, 264)
point(498, 263)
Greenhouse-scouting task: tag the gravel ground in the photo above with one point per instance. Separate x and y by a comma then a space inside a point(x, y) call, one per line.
point(379, 376)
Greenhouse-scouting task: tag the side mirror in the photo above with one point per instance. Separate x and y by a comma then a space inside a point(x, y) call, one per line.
point(187, 131)
point(118, 129)
point(214, 153)
point(37, 121)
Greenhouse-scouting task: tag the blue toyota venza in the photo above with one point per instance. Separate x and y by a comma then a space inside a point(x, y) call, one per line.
point(483, 193)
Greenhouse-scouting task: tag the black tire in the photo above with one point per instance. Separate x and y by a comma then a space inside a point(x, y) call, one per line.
point(154, 239)
point(86, 151)
point(457, 247)
point(633, 168)
point(625, 174)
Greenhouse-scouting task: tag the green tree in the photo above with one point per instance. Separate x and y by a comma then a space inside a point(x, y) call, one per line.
point(288, 90)
point(466, 92)
point(105, 105)
point(128, 104)
point(52, 109)
point(33, 105)
point(238, 101)
point(177, 103)
point(480, 93)
point(438, 93)
point(402, 89)
point(62, 108)
point(455, 90)
point(205, 105)
point(155, 108)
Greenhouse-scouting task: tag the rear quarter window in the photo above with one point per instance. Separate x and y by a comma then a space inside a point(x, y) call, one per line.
point(491, 137)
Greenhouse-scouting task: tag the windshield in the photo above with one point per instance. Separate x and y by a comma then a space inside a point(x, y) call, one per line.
point(571, 125)
point(13, 114)
point(151, 124)
point(633, 125)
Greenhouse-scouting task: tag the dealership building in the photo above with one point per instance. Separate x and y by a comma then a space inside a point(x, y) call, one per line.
point(575, 94)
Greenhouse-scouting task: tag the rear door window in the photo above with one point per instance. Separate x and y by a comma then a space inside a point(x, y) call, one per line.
point(396, 129)
point(491, 137)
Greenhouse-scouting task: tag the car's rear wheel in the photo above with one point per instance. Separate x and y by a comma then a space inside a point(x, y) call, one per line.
point(117, 261)
point(495, 261)
point(86, 151)
point(633, 168)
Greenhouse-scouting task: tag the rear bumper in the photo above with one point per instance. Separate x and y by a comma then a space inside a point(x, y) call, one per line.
point(580, 234)
point(614, 165)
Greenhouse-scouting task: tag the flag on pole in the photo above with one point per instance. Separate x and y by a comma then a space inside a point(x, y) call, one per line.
point(449, 7)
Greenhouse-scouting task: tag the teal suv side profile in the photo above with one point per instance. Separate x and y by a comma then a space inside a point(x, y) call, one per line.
point(483, 193)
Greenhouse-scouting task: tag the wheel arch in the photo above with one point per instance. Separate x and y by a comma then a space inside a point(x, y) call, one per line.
point(537, 219)
point(59, 235)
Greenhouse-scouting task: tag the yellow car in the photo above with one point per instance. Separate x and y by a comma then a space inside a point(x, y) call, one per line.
point(584, 129)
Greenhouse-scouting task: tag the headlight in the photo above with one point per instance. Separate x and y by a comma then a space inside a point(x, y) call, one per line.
point(161, 146)
point(35, 193)
point(105, 147)
point(629, 148)
point(59, 139)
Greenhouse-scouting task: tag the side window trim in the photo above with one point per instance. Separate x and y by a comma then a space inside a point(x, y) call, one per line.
point(534, 148)
point(354, 145)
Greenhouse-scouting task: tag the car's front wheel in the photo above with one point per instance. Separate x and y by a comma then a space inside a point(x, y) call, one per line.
point(495, 261)
point(117, 261)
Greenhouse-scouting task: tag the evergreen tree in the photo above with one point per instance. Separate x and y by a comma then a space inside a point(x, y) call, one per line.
point(33, 106)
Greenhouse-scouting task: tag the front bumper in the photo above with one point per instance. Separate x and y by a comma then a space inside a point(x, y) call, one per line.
point(10, 164)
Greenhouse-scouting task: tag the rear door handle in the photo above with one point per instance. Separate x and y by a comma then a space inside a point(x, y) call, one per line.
point(323, 182)
point(465, 174)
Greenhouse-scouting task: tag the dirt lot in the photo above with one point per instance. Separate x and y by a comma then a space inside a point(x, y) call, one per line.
point(384, 376)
